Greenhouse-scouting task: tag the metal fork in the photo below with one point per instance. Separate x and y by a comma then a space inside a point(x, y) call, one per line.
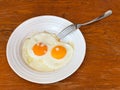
point(74, 27)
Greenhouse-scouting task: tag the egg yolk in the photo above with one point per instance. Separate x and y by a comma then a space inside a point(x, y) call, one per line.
point(39, 49)
point(58, 52)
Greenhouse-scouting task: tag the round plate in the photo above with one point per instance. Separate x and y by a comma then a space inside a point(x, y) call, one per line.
point(52, 24)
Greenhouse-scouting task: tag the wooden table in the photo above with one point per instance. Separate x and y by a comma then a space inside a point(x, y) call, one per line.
point(101, 67)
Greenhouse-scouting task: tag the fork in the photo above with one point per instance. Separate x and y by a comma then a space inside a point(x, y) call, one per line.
point(74, 27)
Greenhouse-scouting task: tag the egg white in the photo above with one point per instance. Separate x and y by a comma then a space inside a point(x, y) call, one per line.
point(45, 62)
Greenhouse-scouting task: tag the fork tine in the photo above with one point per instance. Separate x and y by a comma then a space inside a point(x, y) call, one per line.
point(66, 31)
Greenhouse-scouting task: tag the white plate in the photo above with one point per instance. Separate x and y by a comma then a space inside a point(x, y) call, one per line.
point(51, 24)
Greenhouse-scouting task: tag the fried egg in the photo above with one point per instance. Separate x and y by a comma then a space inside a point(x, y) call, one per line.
point(44, 52)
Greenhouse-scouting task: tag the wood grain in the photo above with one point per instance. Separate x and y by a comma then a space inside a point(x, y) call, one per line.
point(101, 67)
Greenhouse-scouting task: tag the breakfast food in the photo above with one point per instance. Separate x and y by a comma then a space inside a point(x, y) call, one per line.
point(44, 52)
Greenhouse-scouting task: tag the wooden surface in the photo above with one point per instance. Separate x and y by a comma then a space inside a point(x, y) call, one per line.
point(101, 67)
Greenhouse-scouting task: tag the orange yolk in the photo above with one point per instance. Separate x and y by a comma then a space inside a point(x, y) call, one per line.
point(58, 52)
point(39, 49)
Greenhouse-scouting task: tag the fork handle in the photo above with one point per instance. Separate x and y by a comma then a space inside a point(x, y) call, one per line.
point(106, 14)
